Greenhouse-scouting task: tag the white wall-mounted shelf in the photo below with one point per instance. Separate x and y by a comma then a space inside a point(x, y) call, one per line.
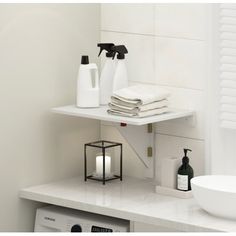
point(137, 137)
point(101, 114)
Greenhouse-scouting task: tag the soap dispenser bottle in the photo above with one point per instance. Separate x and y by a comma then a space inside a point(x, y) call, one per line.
point(120, 77)
point(87, 93)
point(185, 173)
point(107, 74)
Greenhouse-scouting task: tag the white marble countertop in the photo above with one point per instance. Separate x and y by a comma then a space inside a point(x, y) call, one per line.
point(132, 199)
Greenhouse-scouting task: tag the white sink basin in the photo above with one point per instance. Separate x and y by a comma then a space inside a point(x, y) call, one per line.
point(216, 194)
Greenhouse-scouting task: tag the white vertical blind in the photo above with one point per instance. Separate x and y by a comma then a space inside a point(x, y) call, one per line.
point(228, 65)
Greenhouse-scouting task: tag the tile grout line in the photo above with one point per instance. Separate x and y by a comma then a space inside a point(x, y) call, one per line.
point(156, 132)
point(166, 85)
point(152, 35)
point(177, 136)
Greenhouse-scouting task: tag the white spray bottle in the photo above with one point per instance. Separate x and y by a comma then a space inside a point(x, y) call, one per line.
point(120, 79)
point(107, 74)
point(87, 93)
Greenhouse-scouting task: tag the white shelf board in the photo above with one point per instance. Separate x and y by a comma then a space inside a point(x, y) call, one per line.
point(101, 114)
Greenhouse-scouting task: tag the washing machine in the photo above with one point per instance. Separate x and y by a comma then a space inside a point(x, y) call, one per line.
point(60, 219)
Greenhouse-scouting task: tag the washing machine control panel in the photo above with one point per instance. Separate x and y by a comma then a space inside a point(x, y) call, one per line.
point(100, 229)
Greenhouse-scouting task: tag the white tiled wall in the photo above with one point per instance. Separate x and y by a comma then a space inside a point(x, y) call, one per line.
point(181, 20)
point(167, 47)
point(180, 62)
point(129, 18)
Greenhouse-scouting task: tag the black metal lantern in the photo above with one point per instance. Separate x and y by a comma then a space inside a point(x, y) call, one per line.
point(103, 162)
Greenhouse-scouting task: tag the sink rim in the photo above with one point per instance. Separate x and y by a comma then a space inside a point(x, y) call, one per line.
point(216, 194)
point(230, 188)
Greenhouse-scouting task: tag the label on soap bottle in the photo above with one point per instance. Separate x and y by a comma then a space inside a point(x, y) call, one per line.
point(182, 182)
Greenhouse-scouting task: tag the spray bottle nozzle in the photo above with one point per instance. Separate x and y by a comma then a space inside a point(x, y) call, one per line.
point(121, 50)
point(107, 47)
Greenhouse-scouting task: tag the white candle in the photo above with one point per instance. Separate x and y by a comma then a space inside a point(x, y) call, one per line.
point(99, 165)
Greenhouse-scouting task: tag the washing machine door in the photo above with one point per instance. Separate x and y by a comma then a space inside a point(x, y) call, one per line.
point(76, 228)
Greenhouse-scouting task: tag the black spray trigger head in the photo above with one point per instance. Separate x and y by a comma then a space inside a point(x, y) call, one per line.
point(105, 46)
point(121, 50)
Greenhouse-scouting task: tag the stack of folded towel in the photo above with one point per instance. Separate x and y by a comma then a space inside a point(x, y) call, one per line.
point(139, 101)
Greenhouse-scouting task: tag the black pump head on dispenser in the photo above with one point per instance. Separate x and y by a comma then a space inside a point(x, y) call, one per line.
point(84, 60)
point(121, 50)
point(107, 47)
point(185, 159)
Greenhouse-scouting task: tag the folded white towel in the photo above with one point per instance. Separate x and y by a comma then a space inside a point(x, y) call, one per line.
point(228, 92)
point(228, 100)
point(228, 108)
point(141, 114)
point(228, 83)
point(140, 94)
point(135, 109)
point(228, 124)
point(228, 116)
